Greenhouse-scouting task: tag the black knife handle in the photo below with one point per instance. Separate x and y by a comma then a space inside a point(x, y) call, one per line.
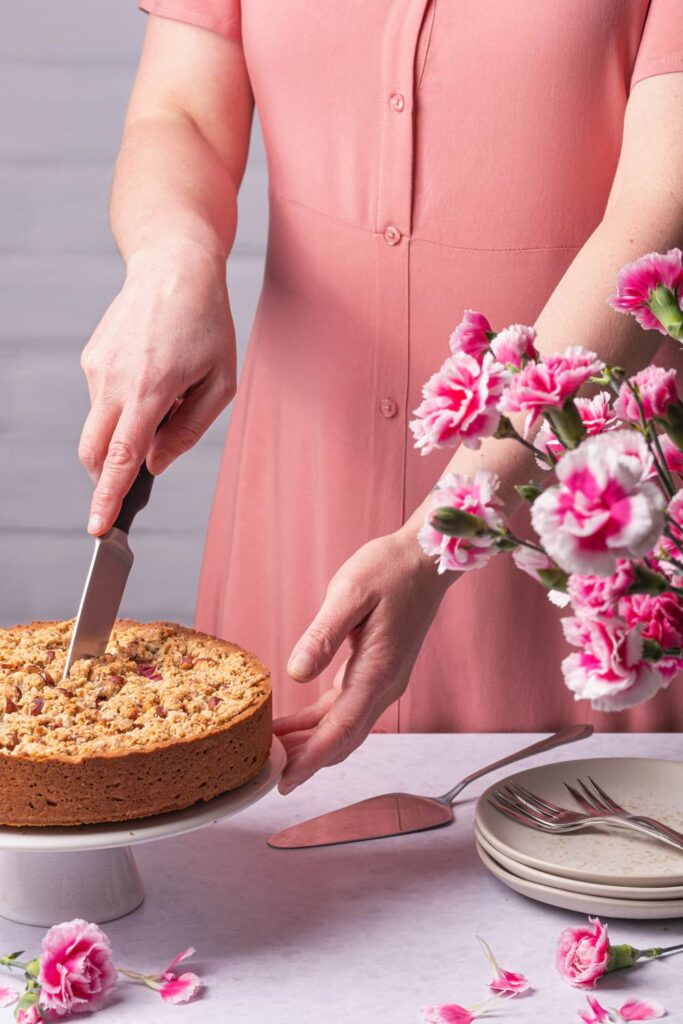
point(140, 489)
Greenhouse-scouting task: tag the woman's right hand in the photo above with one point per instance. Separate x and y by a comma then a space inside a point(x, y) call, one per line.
point(167, 335)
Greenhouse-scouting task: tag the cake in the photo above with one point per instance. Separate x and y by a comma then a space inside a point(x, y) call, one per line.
point(165, 718)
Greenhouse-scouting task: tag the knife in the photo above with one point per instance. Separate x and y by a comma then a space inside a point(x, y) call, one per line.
point(397, 814)
point(108, 574)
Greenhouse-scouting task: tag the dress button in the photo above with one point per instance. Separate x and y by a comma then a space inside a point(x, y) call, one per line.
point(388, 408)
point(397, 102)
point(392, 235)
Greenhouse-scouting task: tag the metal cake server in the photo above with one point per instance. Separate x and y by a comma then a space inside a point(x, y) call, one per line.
point(108, 574)
point(396, 814)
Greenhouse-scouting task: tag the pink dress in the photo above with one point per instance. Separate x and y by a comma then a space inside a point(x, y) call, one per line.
point(425, 156)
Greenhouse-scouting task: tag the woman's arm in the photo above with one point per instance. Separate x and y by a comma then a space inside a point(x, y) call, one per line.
point(169, 332)
point(385, 597)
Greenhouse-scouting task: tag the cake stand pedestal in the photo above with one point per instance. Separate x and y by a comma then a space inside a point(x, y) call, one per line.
point(48, 875)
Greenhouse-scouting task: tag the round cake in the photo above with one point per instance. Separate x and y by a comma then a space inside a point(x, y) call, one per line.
point(165, 718)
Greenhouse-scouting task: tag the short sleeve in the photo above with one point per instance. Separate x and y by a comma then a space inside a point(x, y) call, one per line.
point(221, 16)
point(661, 44)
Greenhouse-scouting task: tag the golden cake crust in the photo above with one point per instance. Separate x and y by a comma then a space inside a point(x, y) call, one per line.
point(165, 718)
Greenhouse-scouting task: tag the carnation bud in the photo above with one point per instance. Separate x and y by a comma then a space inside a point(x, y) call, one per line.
point(529, 492)
point(567, 423)
point(453, 522)
point(664, 306)
point(554, 579)
point(610, 375)
point(673, 424)
point(505, 428)
point(623, 956)
point(652, 651)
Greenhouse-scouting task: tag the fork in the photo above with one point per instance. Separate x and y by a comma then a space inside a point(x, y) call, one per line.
point(528, 809)
point(595, 800)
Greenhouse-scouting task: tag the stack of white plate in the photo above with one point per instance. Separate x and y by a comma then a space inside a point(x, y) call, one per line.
point(614, 874)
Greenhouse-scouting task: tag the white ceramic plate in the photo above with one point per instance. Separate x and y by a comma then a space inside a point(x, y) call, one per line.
point(605, 858)
point(644, 910)
point(621, 892)
point(145, 830)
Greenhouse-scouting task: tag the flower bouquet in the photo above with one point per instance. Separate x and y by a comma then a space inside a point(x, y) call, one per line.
point(608, 510)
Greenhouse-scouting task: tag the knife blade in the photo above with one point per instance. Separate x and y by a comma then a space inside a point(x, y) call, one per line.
point(108, 574)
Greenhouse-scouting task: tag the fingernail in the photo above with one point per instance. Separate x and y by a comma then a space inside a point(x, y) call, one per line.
point(161, 462)
point(301, 665)
point(95, 524)
point(288, 788)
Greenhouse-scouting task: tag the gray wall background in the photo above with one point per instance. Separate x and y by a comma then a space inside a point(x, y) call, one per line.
point(66, 69)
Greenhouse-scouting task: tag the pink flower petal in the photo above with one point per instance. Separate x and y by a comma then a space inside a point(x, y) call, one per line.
point(8, 995)
point(180, 990)
point(508, 981)
point(645, 1009)
point(190, 951)
point(448, 1013)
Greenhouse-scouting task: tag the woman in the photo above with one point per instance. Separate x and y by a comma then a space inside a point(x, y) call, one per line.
point(424, 156)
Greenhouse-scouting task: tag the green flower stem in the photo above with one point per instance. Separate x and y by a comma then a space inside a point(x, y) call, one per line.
point(623, 956)
point(674, 540)
point(648, 431)
point(509, 431)
point(658, 446)
point(509, 535)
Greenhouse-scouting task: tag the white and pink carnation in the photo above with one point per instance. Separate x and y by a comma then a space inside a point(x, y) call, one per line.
point(472, 335)
point(76, 971)
point(514, 345)
point(660, 617)
point(548, 383)
point(657, 390)
point(477, 496)
point(460, 403)
point(609, 669)
point(596, 415)
point(637, 281)
point(603, 507)
point(599, 595)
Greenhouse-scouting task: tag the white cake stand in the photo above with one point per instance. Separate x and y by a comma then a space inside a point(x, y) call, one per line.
point(48, 875)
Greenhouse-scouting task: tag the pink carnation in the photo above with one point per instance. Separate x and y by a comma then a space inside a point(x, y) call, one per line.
point(672, 456)
point(459, 403)
point(603, 507)
point(476, 496)
point(609, 669)
point(596, 415)
point(76, 971)
point(30, 1015)
point(514, 346)
point(472, 335)
point(598, 595)
point(674, 515)
point(583, 953)
point(637, 281)
point(660, 617)
point(548, 383)
point(657, 389)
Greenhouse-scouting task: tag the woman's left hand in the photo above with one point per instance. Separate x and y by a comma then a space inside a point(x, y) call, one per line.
point(382, 601)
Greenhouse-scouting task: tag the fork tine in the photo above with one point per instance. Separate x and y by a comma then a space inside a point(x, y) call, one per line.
point(523, 819)
point(529, 805)
point(592, 798)
point(612, 804)
point(532, 798)
point(581, 800)
point(514, 804)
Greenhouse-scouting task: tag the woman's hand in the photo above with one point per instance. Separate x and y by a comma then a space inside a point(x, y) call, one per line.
point(167, 335)
point(383, 601)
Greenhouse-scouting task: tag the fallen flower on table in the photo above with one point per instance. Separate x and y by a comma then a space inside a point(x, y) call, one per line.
point(172, 988)
point(632, 1009)
point(453, 1013)
point(75, 973)
point(584, 955)
point(504, 981)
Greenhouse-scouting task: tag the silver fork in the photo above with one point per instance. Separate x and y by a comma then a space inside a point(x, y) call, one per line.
point(595, 800)
point(533, 811)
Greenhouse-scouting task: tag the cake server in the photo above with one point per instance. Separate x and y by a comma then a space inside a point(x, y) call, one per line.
point(397, 814)
point(108, 574)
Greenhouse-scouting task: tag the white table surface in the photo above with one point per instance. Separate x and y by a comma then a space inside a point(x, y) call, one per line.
point(367, 932)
